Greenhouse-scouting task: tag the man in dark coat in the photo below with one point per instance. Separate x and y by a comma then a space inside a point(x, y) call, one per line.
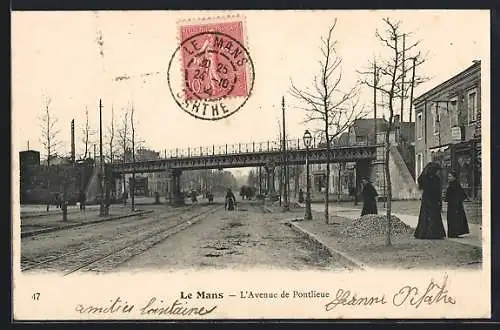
point(455, 196)
point(230, 200)
point(369, 194)
point(430, 224)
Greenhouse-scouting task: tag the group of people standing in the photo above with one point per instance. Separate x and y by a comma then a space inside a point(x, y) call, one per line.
point(430, 224)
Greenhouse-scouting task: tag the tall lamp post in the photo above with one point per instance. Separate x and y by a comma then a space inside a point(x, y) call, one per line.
point(307, 142)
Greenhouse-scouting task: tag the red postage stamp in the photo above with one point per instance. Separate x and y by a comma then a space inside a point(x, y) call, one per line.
point(214, 60)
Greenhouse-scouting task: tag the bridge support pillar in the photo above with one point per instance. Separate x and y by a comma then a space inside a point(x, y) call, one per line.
point(174, 187)
point(271, 190)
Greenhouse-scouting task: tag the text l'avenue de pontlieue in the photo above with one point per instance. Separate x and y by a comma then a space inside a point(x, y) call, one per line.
point(201, 303)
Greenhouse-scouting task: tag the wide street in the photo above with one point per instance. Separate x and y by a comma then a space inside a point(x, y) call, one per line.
point(169, 238)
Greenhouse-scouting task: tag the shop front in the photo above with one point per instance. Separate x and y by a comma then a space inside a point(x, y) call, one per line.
point(466, 158)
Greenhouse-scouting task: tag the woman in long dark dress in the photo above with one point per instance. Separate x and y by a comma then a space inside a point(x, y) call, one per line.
point(230, 200)
point(430, 224)
point(369, 194)
point(455, 196)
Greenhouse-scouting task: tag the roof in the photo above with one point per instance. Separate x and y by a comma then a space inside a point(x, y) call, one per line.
point(476, 66)
point(364, 126)
point(342, 139)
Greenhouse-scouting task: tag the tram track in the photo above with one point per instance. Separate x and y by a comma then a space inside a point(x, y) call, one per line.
point(111, 259)
point(77, 252)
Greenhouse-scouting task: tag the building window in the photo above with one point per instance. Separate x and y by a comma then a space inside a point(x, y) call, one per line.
point(420, 164)
point(419, 125)
point(472, 106)
point(454, 112)
point(436, 119)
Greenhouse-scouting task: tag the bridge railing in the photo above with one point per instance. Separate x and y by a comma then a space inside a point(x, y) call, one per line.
point(242, 148)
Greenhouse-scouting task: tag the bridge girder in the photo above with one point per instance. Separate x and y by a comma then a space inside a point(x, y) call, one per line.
point(294, 157)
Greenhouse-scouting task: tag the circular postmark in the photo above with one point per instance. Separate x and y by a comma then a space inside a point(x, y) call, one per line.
point(210, 75)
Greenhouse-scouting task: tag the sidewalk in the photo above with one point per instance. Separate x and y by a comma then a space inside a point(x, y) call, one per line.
point(29, 211)
point(474, 238)
point(51, 222)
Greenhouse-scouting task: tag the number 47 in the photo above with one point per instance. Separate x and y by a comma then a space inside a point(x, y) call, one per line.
point(36, 296)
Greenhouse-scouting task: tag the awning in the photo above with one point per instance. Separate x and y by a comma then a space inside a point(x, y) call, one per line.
point(439, 149)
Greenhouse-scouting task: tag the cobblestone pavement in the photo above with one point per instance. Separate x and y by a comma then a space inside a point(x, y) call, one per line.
point(243, 239)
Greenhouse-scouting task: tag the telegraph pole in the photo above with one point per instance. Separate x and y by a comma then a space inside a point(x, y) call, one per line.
point(412, 86)
point(286, 206)
point(101, 181)
point(72, 141)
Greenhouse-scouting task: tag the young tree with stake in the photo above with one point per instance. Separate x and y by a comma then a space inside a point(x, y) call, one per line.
point(389, 78)
point(327, 103)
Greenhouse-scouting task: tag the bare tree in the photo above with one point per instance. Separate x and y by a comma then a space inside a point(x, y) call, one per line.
point(389, 84)
point(111, 135)
point(87, 135)
point(123, 136)
point(328, 103)
point(50, 133)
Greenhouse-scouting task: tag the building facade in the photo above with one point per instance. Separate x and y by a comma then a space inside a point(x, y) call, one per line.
point(448, 128)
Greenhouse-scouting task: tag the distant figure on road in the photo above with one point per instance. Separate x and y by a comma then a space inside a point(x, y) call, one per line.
point(301, 196)
point(82, 200)
point(430, 224)
point(210, 197)
point(369, 194)
point(58, 201)
point(194, 198)
point(455, 196)
point(354, 193)
point(230, 200)
point(125, 196)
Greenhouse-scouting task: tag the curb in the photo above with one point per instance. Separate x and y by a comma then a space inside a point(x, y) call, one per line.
point(52, 229)
point(39, 215)
point(330, 250)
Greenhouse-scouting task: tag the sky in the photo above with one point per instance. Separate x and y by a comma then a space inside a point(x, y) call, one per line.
point(57, 55)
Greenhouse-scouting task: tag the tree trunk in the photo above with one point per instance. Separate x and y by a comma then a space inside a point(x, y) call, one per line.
point(328, 156)
point(388, 189)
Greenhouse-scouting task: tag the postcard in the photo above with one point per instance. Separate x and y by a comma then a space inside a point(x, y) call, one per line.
point(300, 164)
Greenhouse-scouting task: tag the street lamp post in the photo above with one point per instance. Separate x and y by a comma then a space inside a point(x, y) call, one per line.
point(307, 142)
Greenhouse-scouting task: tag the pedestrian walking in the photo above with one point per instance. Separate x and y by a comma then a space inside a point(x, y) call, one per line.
point(58, 201)
point(353, 192)
point(369, 194)
point(430, 224)
point(125, 197)
point(82, 200)
point(230, 200)
point(194, 198)
point(455, 196)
